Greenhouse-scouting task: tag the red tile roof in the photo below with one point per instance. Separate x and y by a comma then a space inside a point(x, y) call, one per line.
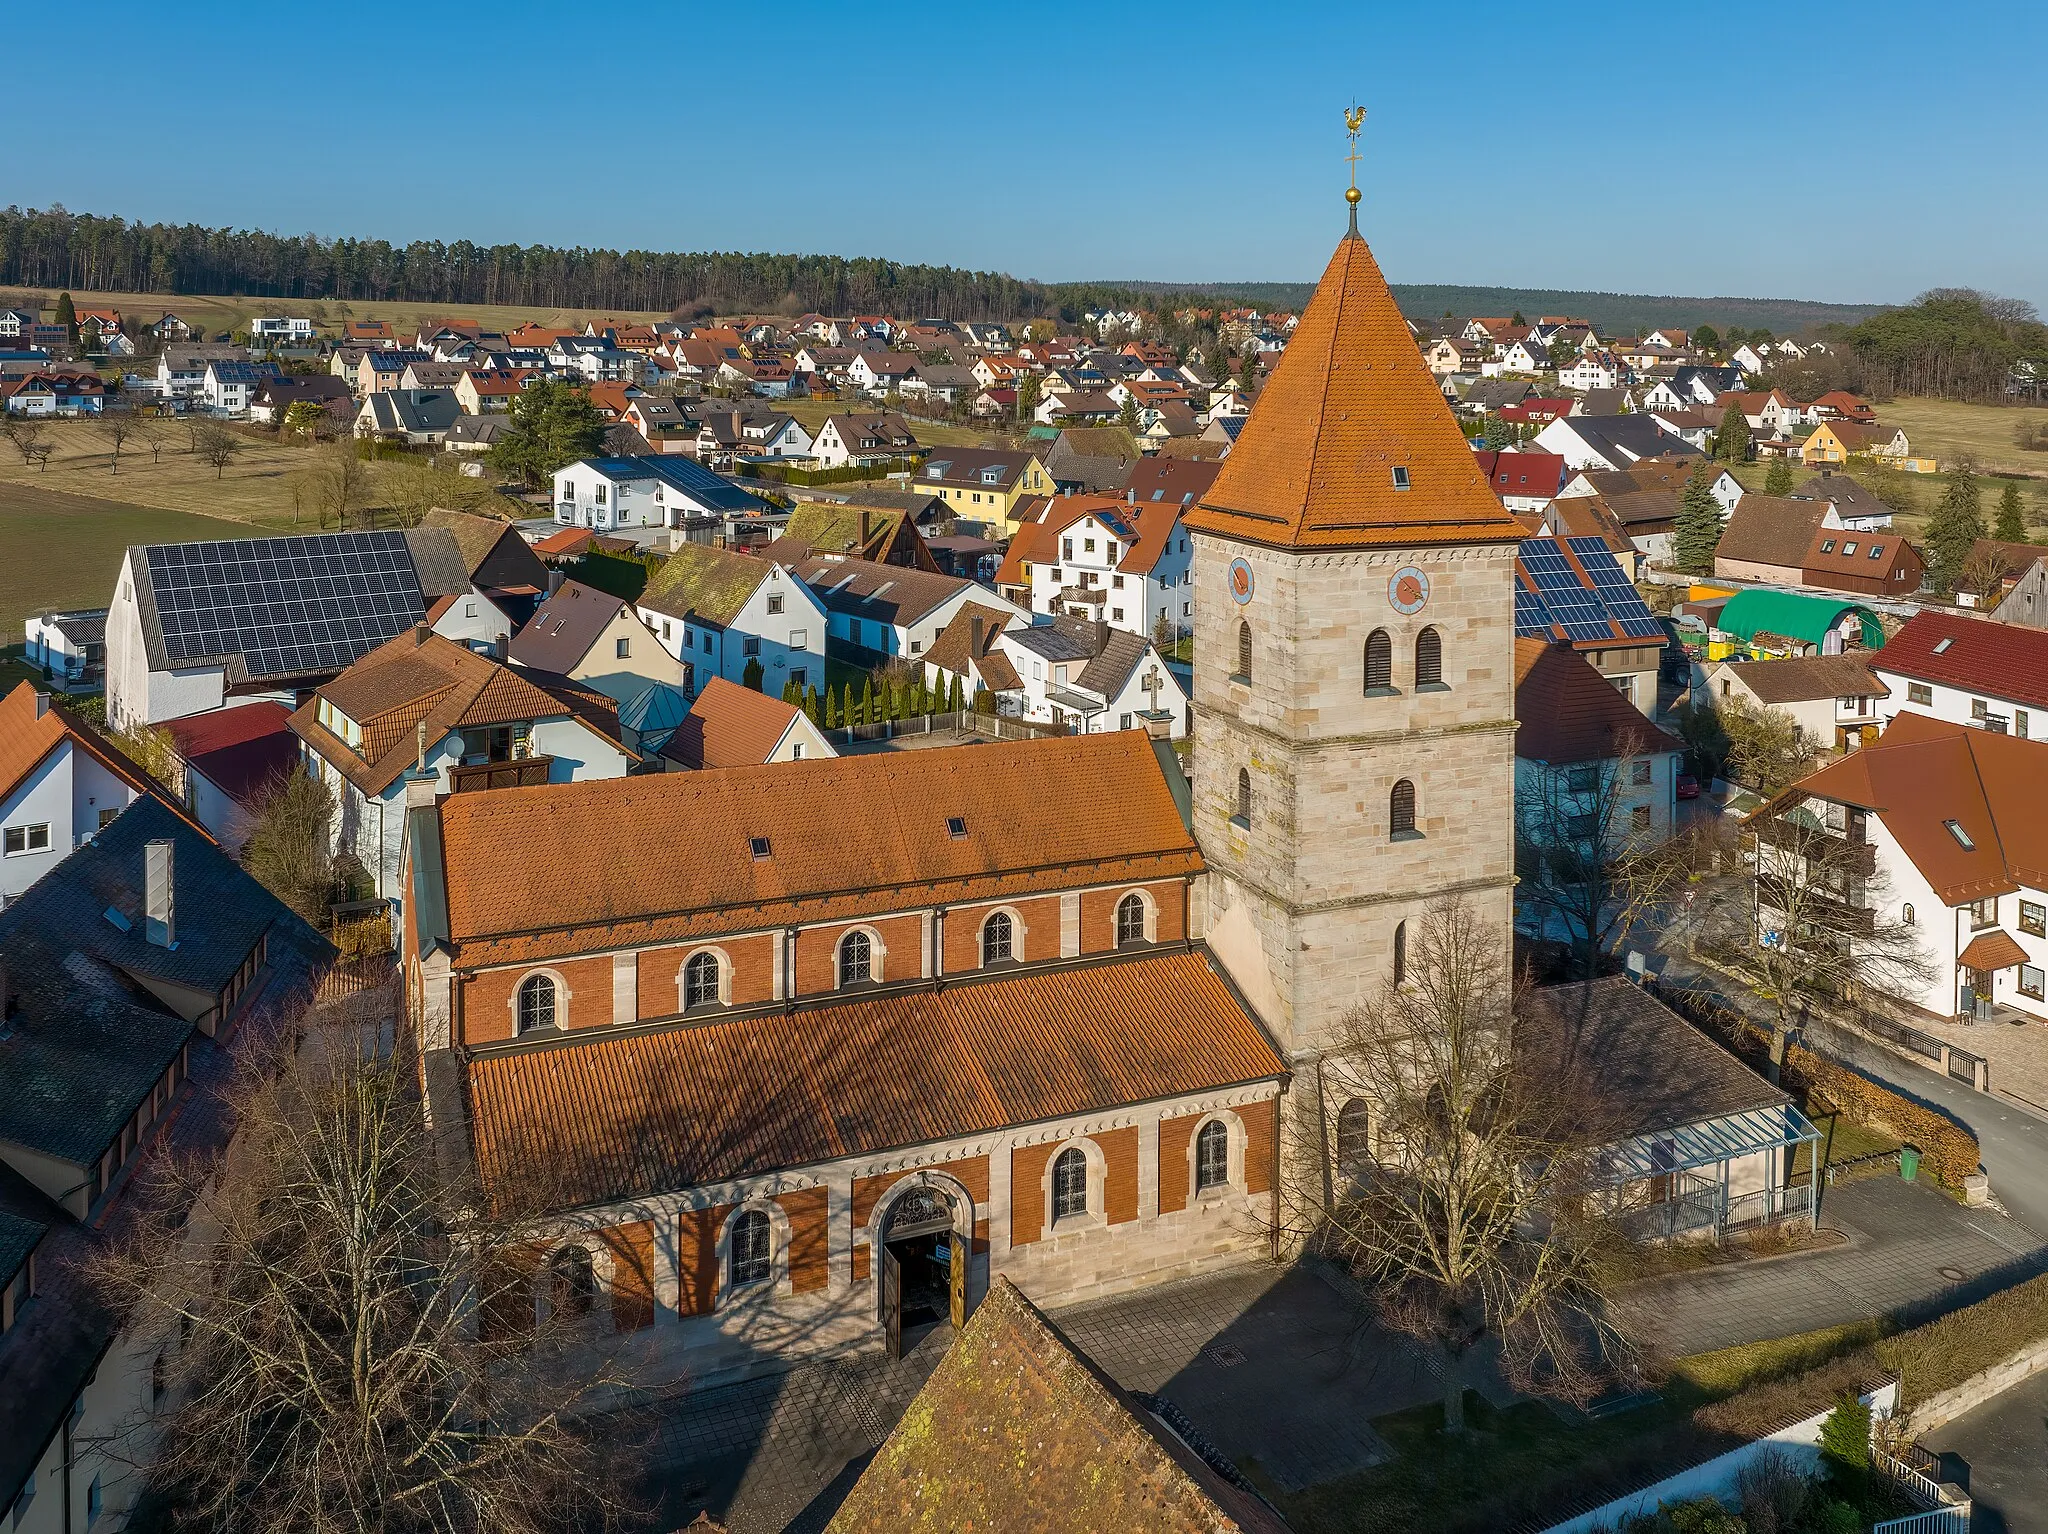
point(1349, 402)
point(730, 726)
point(2000, 660)
point(242, 750)
point(1923, 773)
point(1568, 712)
point(855, 835)
point(624, 1115)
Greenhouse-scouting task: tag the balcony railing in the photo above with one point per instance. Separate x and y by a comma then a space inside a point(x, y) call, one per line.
point(525, 772)
point(1837, 849)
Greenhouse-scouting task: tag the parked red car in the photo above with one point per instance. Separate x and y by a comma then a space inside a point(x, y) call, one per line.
point(1688, 786)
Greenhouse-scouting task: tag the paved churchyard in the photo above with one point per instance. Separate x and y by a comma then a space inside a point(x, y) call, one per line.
point(1274, 1366)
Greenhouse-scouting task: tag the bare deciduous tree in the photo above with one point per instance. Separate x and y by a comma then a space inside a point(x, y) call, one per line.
point(1765, 750)
point(1457, 1189)
point(25, 432)
point(216, 446)
point(290, 850)
point(150, 430)
point(337, 482)
point(324, 1363)
point(116, 426)
point(1591, 866)
point(1809, 926)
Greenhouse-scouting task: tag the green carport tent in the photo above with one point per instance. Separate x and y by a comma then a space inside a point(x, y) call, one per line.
point(1796, 617)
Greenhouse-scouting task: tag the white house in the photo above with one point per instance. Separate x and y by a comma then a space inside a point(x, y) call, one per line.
point(878, 612)
point(1944, 823)
point(1748, 359)
point(776, 436)
point(181, 370)
point(1525, 356)
point(733, 726)
point(880, 373)
point(272, 330)
point(62, 785)
point(1590, 370)
point(1125, 563)
point(651, 490)
point(1833, 700)
point(227, 386)
point(1970, 671)
point(1609, 441)
point(717, 611)
point(861, 440)
point(1090, 677)
point(425, 709)
point(69, 648)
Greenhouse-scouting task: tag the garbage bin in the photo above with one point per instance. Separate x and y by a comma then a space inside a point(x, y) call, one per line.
point(1909, 1164)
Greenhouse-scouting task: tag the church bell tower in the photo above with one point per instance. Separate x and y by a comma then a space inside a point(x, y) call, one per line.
point(1354, 667)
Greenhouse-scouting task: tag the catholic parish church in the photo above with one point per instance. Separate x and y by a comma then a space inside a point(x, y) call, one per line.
point(804, 1056)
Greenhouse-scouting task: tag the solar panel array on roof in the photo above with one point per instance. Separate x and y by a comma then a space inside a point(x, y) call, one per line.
point(287, 606)
point(1581, 598)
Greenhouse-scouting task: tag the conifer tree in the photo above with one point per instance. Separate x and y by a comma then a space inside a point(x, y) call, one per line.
point(1779, 480)
point(791, 693)
point(2012, 523)
point(812, 710)
point(1698, 530)
point(1957, 524)
point(953, 702)
point(752, 677)
point(867, 701)
point(67, 316)
point(1731, 442)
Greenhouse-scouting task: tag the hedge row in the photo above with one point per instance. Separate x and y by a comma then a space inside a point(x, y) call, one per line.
point(1946, 1148)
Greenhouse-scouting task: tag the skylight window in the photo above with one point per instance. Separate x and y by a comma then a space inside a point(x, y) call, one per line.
point(1942, 648)
point(758, 845)
point(1962, 837)
point(956, 826)
point(1400, 476)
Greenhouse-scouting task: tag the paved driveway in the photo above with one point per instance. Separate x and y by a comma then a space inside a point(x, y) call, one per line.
point(1901, 1239)
point(1999, 1453)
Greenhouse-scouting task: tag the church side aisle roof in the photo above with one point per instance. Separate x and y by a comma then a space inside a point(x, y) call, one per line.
point(1349, 404)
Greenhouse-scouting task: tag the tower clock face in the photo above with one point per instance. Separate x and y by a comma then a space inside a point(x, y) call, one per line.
point(1241, 582)
point(1408, 591)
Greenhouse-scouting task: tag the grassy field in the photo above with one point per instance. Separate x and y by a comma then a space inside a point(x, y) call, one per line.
point(1950, 431)
point(62, 551)
point(214, 312)
point(256, 487)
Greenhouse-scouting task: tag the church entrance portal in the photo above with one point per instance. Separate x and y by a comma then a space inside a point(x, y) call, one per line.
point(923, 1268)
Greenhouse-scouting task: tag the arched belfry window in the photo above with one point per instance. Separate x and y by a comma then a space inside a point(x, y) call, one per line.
point(700, 981)
point(1400, 952)
point(1212, 1156)
point(1379, 662)
point(1429, 658)
point(1244, 797)
point(1354, 1133)
point(1130, 920)
point(1070, 1184)
point(1244, 650)
point(998, 938)
point(856, 958)
point(1401, 810)
point(572, 1282)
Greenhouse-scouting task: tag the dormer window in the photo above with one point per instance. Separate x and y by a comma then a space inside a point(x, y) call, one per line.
point(758, 846)
point(1400, 476)
point(956, 827)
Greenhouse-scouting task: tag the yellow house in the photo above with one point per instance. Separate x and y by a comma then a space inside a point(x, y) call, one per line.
point(983, 484)
point(1835, 442)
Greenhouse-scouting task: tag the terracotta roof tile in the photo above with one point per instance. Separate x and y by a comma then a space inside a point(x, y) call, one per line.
point(619, 1116)
point(1799, 679)
point(730, 726)
point(849, 834)
point(1771, 530)
point(1996, 949)
point(1017, 1428)
point(2001, 660)
point(1349, 403)
point(25, 740)
point(1568, 712)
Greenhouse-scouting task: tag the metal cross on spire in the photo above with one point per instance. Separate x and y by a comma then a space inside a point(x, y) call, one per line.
point(1354, 119)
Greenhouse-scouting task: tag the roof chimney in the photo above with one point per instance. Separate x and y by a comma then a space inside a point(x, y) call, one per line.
point(862, 525)
point(554, 581)
point(159, 894)
point(42, 704)
point(974, 635)
point(419, 634)
point(419, 738)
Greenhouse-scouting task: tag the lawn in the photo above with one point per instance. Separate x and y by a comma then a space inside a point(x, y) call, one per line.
point(1845, 1140)
point(215, 312)
point(1947, 430)
point(256, 487)
point(63, 551)
point(1528, 1459)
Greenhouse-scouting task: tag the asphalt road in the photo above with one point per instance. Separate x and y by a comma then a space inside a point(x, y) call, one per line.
point(1999, 1453)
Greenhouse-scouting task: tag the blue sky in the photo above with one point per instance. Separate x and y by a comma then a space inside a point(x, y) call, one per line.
point(1732, 148)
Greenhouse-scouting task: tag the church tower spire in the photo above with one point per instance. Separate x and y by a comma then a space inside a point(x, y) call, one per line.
point(1354, 666)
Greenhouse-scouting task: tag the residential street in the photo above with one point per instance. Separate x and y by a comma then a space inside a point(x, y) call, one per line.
point(2000, 1453)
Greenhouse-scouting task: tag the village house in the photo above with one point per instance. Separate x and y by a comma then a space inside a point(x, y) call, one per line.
point(1967, 671)
point(1523, 481)
point(69, 648)
point(648, 490)
point(1087, 677)
point(489, 391)
point(860, 441)
point(983, 484)
point(1943, 822)
point(1832, 700)
point(1769, 538)
point(271, 400)
point(415, 417)
point(881, 373)
point(880, 612)
point(1571, 592)
point(1609, 442)
point(733, 726)
point(717, 611)
point(597, 639)
point(227, 387)
point(1835, 441)
point(61, 784)
point(229, 762)
point(421, 709)
point(932, 914)
point(1876, 564)
point(131, 973)
point(1124, 562)
point(1643, 499)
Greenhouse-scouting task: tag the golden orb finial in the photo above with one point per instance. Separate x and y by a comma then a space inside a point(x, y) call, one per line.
point(1351, 195)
